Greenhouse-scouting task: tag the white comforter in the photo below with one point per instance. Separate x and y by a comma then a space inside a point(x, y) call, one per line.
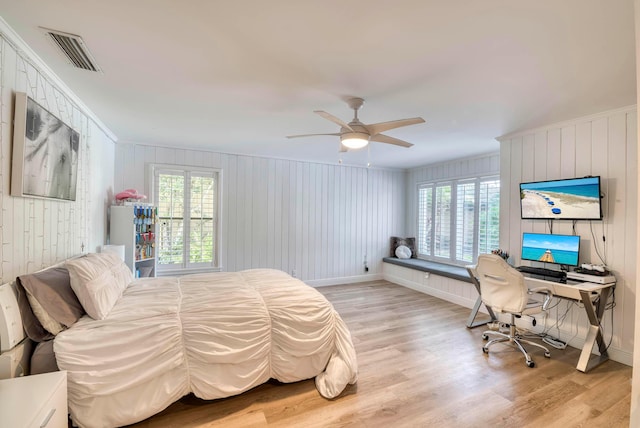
point(215, 335)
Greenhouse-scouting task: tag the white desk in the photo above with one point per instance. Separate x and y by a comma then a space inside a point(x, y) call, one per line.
point(471, 322)
point(594, 298)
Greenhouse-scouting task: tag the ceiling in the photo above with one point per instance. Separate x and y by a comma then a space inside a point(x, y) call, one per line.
point(238, 76)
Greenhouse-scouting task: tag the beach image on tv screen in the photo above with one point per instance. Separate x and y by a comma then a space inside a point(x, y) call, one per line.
point(560, 249)
point(572, 199)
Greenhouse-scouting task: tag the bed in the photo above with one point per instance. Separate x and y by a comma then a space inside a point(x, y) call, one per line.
point(143, 344)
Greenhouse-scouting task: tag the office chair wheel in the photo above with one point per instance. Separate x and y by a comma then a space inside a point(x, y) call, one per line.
point(485, 337)
point(485, 350)
point(547, 354)
point(531, 364)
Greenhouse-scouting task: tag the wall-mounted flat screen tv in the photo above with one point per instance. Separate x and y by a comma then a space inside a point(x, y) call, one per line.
point(570, 199)
point(548, 248)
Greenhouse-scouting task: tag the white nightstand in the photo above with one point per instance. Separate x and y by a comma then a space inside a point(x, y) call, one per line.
point(34, 401)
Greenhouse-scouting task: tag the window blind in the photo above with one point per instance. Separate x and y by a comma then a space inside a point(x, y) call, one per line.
point(425, 219)
point(489, 216)
point(442, 237)
point(465, 221)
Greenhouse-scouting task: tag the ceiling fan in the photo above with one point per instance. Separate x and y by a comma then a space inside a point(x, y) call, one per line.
point(356, 135)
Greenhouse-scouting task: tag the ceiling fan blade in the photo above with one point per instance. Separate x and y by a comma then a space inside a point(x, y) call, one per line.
point(333, 119)
point(311, 135)
point(380, 138)
point(377, 128)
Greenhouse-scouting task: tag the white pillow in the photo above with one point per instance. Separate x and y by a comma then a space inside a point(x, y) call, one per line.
point(98, 279)
point(403, 252)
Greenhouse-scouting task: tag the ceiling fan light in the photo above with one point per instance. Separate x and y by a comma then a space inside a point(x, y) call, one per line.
point(354, 140)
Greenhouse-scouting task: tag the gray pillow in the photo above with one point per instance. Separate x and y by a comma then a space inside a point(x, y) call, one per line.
point(52, 289)
point(35, 331)
point(43, 359)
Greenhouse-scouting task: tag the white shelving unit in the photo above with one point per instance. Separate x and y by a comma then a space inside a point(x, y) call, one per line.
point(134, 226)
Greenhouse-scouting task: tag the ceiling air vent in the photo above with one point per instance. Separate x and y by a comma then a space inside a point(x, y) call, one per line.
point(74, 49)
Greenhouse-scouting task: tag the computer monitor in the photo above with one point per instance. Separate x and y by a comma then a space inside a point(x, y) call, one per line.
point(549, 248)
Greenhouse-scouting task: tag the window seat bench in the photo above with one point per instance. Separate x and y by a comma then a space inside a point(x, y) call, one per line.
point(450, 271)
point(451, 286)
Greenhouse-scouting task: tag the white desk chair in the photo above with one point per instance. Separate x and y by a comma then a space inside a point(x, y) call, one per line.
point(503, 289)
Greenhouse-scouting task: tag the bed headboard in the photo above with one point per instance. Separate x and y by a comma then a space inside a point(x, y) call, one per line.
point(11, 331)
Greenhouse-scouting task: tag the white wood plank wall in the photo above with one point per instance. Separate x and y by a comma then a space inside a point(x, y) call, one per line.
point(318, 221)
point(604, 145)
point(36, 233)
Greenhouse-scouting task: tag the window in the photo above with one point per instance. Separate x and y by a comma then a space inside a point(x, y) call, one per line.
point(457, 220)
point(187, 234)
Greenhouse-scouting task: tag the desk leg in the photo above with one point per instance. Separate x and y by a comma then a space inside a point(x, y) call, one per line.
point(588, 361)
point(471, 323)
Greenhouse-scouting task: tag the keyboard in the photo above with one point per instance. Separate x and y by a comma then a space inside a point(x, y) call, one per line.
point(550, 273)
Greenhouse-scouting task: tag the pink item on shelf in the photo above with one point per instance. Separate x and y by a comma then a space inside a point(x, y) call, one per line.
point(130, 194)
point(126, 194)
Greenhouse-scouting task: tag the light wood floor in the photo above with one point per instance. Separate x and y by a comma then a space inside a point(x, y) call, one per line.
point(419, 366)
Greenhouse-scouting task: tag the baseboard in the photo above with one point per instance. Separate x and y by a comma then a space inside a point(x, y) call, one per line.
point(344, 280)
point(620, 356)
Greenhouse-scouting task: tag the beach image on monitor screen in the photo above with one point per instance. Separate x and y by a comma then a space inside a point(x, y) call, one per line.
point(559, 249)
point(562, 199)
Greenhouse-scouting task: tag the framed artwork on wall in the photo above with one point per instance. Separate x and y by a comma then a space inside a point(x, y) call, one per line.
point(45, 153)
